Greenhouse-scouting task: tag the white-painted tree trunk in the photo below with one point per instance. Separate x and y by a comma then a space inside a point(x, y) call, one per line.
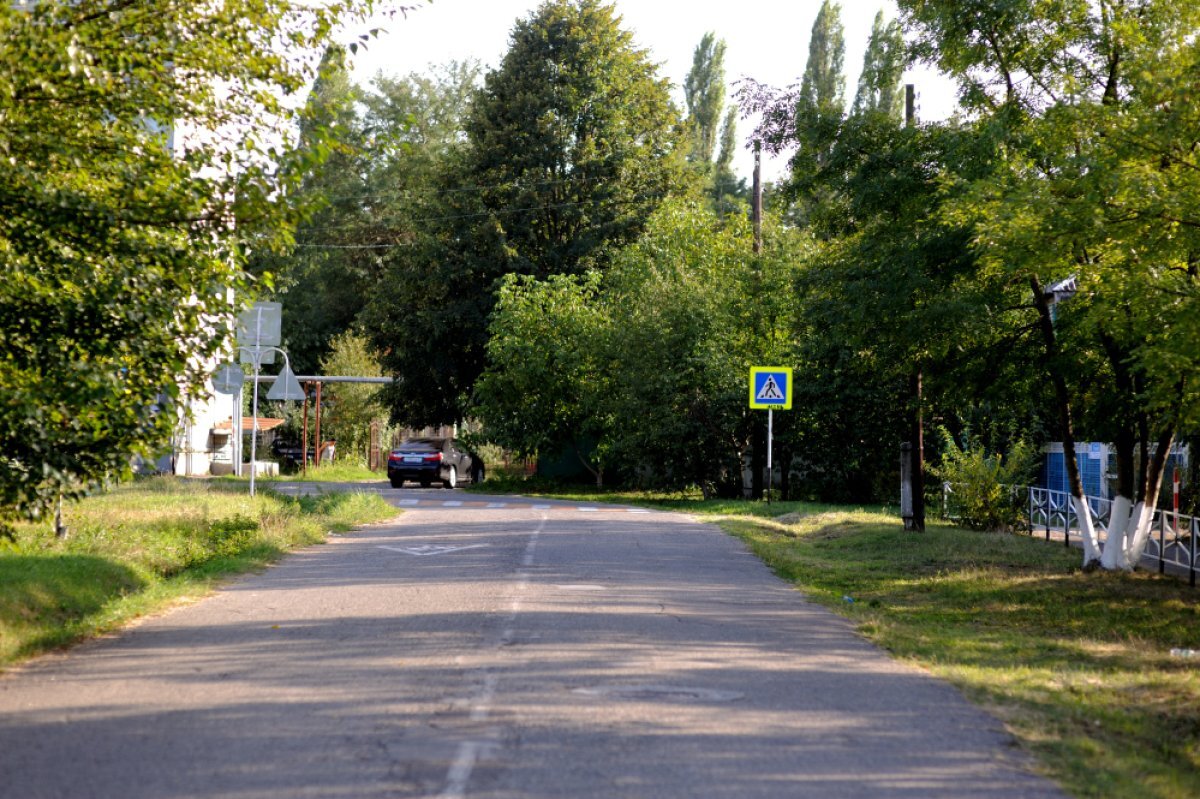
point(1087, 529)
point(1118, 525)
point(1138, 534)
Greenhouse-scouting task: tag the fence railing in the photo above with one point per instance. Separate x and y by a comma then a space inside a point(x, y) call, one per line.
point(1173, 536)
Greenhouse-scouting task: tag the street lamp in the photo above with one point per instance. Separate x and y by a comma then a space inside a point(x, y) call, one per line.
point(285, 388)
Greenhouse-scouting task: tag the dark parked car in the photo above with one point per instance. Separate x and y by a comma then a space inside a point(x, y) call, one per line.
point(425, 460)
point(288, 454)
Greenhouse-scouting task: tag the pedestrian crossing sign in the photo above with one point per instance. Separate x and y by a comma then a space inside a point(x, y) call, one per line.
point(771, 387)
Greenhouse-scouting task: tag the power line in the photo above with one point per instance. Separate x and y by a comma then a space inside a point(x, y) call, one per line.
point(477, 215)
point(434, 191)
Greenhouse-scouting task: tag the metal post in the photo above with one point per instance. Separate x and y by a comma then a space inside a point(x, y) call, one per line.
point(317, 434)
point(304, 437)
point(1195, 529)
point(1067, 522)
point(1029, 495)
point(1049, 507)
point(1162, 542)
point(256, 359)
point(770, 446)
point(239, 437)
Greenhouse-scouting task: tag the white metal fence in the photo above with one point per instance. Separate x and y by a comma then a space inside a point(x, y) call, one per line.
point(1172, 542)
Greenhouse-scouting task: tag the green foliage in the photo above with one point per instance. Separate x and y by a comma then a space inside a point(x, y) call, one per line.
point(135, 161)
point(571, 144)
point(388, 145)
point(647, 364)
point(571, 141)
point(879, 90)
point(1094, 175)
point(353, 407)
point(704, 95)
point(983, 486)
point(544, 384)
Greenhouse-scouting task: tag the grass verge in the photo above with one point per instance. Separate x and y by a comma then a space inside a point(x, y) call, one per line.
point(144, 546)
point(1077, 665)
point(344, 471)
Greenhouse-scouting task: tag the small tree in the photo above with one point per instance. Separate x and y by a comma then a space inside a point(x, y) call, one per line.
point(353, 407)
point(982, 483)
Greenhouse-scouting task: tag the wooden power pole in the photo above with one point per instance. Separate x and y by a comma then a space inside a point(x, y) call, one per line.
point(758, 434)
point(916, 472)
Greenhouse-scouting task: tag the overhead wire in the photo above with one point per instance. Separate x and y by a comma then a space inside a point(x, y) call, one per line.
point(475, 215)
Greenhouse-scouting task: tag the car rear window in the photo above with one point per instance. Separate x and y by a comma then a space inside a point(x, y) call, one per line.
point(421, 443)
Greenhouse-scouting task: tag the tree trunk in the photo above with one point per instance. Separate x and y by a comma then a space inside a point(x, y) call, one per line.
point(1143, 516)
point(596, 472)
point(758, 457)
point(1091, 541)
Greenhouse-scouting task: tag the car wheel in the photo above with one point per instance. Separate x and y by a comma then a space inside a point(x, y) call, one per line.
point(451, 478)
point(396, 482)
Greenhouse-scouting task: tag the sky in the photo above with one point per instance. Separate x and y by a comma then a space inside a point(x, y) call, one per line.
point(765, 39)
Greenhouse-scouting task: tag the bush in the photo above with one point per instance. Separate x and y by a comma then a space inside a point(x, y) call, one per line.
point(983, 486)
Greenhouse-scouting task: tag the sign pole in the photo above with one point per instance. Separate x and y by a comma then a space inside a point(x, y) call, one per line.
point(770, 447)
point(256, 357)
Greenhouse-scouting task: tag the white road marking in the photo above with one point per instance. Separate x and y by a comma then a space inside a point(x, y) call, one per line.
point(587, 510)
point(497, 504)
point(452, 504)
point(541, 507)
point(432, 549)
point(407, 501)
point(471, 752)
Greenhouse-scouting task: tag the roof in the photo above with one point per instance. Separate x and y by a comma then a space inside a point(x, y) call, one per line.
point(248, 424)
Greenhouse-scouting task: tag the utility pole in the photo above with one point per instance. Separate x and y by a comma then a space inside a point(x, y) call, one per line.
point(317, 434)
point(757, 442)
point(915, 522)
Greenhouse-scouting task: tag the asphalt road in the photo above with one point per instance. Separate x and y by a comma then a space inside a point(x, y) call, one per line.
point(500, 648)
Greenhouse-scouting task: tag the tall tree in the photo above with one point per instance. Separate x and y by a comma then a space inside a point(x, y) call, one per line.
point(1097, 177)
point(571, 145)
point(317, 284)
point(704, 94)
point(823, 87)
point(572, 139)
point(387, 145)
point(729, 192)
point(804, 121)
point(138, 151)
point(879, 88)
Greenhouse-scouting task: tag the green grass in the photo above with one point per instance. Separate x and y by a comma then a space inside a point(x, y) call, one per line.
point(344, 471)
point(144, 546)
point(689, 500)
point(1076, 664)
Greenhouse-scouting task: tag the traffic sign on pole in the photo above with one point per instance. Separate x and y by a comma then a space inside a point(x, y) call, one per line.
point(771, 390)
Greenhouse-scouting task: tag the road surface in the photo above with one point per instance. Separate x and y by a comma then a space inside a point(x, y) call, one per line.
point(507, 649)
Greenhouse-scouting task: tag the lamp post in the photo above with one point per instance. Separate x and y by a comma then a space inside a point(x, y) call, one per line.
point(286, 388)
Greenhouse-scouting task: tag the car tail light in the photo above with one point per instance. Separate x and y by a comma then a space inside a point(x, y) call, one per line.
point(436, 457)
